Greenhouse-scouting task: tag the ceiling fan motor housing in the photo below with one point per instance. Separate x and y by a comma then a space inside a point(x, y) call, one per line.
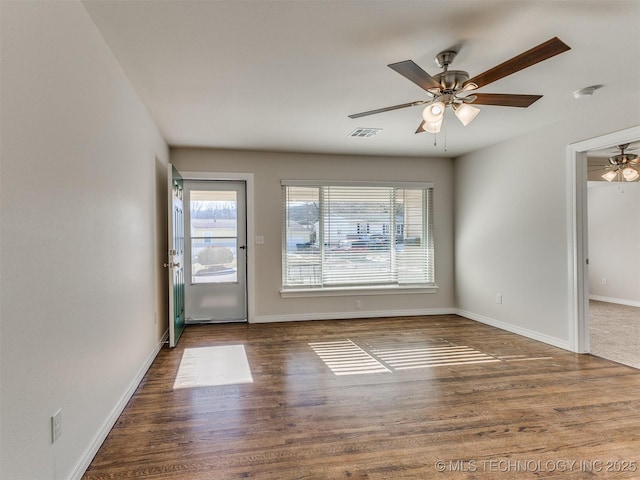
point(451, 80)
point(623, 158)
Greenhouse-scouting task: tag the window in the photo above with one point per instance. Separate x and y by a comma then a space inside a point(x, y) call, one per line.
point(337, 236)
point(214, 236)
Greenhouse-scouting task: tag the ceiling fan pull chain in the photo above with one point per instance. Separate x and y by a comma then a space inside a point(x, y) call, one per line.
point(445, 133)
point(620, 184)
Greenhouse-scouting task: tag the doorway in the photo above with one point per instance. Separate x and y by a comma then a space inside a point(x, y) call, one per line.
point(216, 251)
point(614, 265)
point(578, 229)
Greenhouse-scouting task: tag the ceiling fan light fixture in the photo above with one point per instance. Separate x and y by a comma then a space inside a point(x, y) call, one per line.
point(465, 113)
point(432, 127)
point(630, 174)
point(434, 112)
point(610, 175)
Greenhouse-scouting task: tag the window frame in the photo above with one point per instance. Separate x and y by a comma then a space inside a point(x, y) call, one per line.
point(347, 290)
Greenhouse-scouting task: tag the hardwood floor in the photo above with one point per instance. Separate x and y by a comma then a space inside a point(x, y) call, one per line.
point(484, 402)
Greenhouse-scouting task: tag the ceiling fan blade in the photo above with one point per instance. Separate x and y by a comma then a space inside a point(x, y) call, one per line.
point(504, 99)
point(544, 51)
point(413, 72)
point(387, 109)
point(420, 128)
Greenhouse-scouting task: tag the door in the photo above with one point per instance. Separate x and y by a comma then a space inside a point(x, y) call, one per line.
point(216, 252)
point(175, 261)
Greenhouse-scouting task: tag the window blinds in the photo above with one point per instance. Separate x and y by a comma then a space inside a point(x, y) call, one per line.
point(357, 235)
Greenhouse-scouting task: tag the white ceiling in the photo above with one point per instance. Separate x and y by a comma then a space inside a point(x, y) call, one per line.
point(284, 75)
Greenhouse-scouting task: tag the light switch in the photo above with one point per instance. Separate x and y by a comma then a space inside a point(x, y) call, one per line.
point(259, 240)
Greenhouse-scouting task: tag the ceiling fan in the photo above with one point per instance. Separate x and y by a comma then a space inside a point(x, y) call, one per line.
point(623, 166)
point(454, 88)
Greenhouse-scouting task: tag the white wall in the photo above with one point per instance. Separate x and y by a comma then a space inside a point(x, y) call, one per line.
point(270, 168)
point(82, 171)
point(512, 225)
point(614, 242)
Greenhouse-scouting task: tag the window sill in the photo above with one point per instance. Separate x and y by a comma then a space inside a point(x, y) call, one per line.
point(351, 291)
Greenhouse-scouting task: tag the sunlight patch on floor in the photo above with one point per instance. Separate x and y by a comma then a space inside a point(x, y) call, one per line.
point(406, 359)
point(521, 358)
point(344, 357)
point(212, 366)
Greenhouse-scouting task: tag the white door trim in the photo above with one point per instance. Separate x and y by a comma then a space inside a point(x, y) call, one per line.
point(248, 179)
point(577, 231)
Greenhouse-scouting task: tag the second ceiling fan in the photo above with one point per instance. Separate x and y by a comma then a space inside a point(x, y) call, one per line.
point(454, 88)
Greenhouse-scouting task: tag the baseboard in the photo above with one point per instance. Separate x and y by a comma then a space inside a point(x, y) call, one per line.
point(94, 446)
point(297, 317)
point(556, 342)
point(619, 301)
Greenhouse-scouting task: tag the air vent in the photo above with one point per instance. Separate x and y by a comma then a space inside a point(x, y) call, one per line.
point(365, 132)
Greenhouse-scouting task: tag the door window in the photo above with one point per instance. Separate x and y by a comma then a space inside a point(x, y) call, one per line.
point(214, 236)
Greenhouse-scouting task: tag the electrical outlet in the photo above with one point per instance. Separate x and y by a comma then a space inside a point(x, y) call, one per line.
point(358, 304)
point(499, 298)
point(604, 281)
point(56, 425)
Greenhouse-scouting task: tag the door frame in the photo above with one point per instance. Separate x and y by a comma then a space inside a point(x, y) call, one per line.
point(578, 234)
point(248, 179)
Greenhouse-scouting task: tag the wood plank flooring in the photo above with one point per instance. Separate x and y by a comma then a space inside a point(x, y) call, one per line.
point(477, 403)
